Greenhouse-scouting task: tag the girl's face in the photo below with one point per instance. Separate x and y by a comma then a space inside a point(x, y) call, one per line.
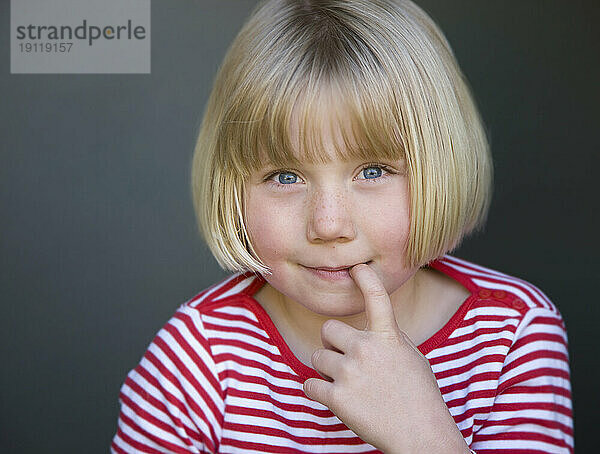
point(332, 215)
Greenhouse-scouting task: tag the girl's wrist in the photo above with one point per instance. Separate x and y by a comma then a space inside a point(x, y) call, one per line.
point(446, 438)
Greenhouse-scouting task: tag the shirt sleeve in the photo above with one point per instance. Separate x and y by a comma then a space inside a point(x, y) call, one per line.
point(532, 410)
point(172, 401)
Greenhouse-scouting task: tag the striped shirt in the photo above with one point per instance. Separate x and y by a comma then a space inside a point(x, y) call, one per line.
point(219, 377)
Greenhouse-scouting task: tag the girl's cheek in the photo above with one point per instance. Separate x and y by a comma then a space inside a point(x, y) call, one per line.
point(269, 231)
point(394, 222)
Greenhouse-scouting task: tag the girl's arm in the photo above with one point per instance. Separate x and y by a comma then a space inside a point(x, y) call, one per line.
point(532, 410)
point(172, 401)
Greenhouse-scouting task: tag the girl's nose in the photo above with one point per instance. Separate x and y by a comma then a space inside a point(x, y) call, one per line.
point(330, 218)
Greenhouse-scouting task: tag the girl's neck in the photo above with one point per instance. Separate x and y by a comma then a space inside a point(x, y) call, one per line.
point(301, 327)
point(425, 304)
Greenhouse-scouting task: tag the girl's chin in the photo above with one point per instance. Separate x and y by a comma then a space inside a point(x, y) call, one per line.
point(334, 308)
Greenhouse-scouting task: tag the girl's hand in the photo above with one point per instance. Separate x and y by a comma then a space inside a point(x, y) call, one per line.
point(382, 387)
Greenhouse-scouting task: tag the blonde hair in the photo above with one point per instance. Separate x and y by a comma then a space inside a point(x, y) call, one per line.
point(399, 84)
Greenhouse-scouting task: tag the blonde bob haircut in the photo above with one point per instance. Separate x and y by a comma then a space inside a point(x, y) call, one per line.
point(389, 70)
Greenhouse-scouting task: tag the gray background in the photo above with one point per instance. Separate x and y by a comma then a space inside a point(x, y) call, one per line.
point(98, 242)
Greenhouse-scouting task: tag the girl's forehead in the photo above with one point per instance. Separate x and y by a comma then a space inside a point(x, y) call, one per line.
point(327, 137)
point(325, 140)
point(312, 148)
point(322, 126)
point(325, 130)
point(323, 112)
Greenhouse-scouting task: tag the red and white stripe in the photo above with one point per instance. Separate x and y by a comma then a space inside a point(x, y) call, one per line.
point(219, 377)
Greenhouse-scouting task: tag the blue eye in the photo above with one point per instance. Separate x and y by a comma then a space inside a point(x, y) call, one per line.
point(372, 172)
point(287, 177)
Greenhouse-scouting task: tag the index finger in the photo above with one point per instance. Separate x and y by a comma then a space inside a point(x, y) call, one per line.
point(378, 306)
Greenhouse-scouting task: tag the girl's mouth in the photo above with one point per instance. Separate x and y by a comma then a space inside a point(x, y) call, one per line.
point(328, 275)
point(333, 273)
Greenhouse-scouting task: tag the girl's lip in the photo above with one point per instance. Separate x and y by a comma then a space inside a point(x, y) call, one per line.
point(331, 274)
point(338, 268)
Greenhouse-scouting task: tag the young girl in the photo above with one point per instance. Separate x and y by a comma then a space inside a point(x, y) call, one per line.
point(341, 157)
